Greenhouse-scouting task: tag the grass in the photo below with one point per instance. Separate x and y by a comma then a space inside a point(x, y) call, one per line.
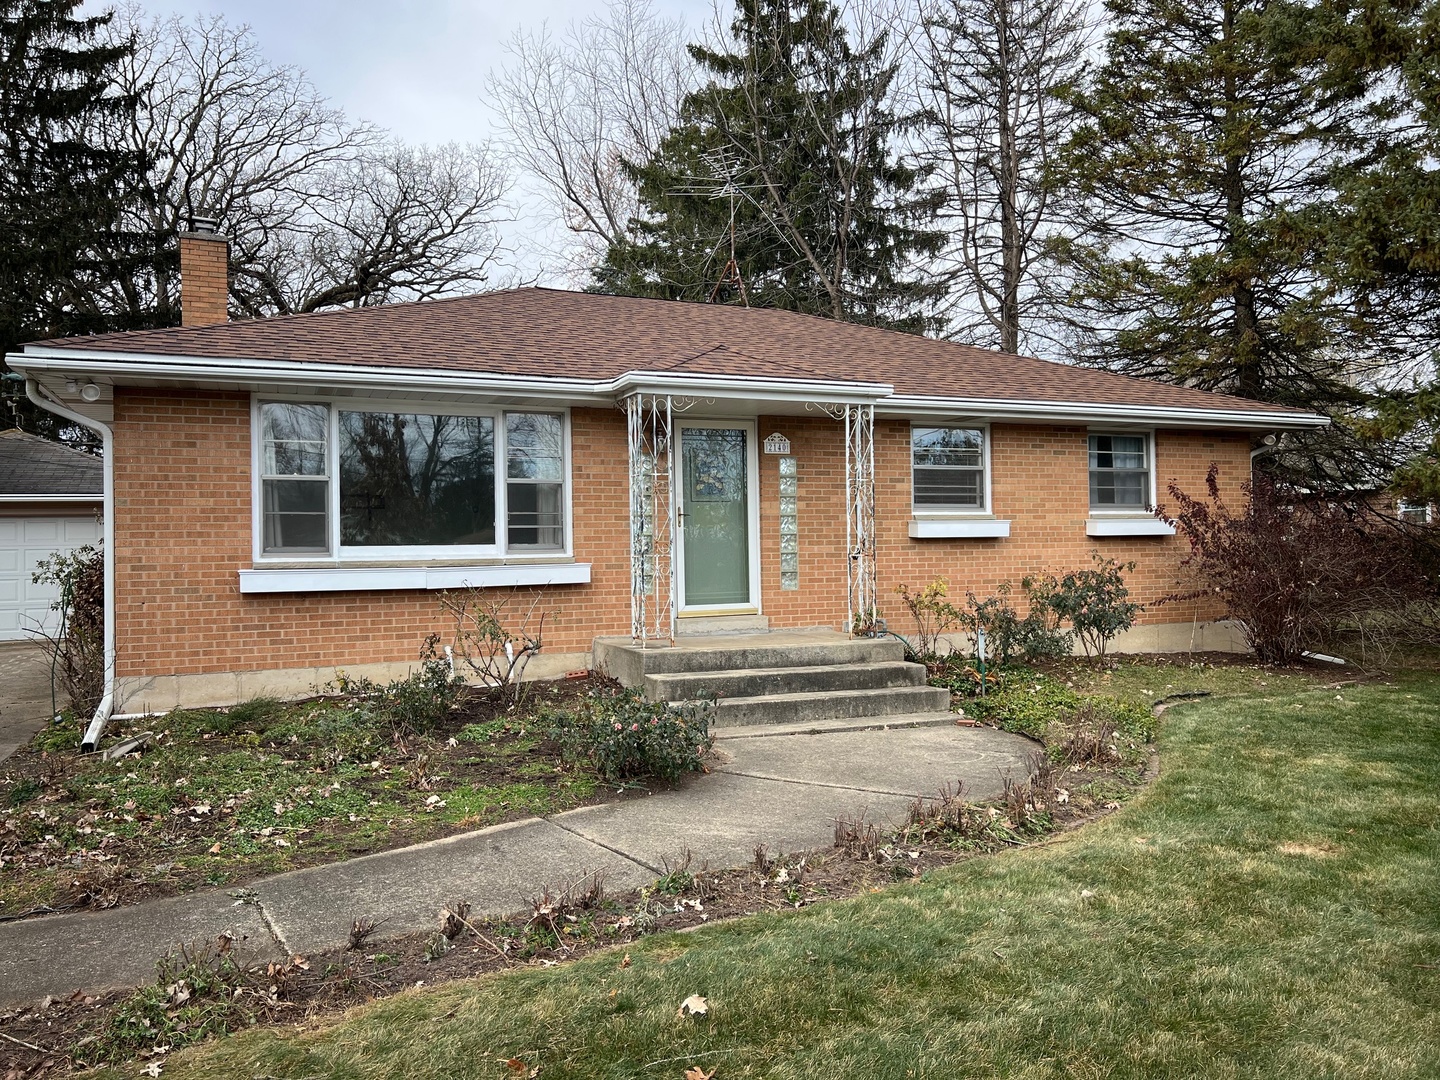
point(225, 796)
point(1267, 908)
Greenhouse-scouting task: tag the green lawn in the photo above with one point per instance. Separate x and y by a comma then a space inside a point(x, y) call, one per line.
point(1269, 908)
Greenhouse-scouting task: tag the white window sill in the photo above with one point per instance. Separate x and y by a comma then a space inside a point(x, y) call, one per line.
point(380, 578)
point(937, 528)
point(1128, 526)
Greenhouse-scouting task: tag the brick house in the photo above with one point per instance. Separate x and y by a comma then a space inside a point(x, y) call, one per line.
point(286, 496)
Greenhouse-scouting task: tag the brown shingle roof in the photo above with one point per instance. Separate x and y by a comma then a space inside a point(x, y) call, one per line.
point(30, 465)
point(552, 333)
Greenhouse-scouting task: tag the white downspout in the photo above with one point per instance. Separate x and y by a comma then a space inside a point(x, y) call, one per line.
point(37, 393)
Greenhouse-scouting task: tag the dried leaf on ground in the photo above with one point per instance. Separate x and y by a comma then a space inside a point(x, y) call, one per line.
point(694, 1005)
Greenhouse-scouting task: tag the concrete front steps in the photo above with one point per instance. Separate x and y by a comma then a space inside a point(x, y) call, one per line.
point(799, 679)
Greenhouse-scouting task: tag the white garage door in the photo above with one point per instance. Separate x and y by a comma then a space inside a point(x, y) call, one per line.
point(23, 543)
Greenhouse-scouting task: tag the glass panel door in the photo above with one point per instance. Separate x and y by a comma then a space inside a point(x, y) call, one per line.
point(715, 526)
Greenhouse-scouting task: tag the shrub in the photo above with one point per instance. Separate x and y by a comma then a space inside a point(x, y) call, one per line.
point(624, 735)
point(1095, 602)
point(77, 648)
point(1009, 637)
point(933, 613)
point(1290, 568)
point(416, 704)
point(493, 644)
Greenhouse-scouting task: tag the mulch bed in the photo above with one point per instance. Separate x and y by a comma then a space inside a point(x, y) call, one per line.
point(133, 869)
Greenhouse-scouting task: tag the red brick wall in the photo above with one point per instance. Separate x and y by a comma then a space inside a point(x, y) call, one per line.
point(1040, 478)
point(183, 530)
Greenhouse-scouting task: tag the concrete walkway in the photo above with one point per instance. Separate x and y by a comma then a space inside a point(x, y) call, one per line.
point(24, 694)
point(781, 789)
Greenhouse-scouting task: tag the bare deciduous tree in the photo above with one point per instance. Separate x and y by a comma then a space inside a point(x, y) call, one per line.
point(990, 72)
point(393, 222)
point(321, 211)
point(604, 92)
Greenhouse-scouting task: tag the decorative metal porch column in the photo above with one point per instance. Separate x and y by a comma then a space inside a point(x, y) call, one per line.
point(860, 515)
point(652, 518)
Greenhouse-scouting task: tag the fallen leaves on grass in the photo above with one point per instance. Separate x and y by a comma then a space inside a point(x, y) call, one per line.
point(694, 1005)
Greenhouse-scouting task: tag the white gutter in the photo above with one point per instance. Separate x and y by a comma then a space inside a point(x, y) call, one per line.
point(105, 364)
point(50, 498)
point(1085, 411)
point(129, 366)
point(36, 393)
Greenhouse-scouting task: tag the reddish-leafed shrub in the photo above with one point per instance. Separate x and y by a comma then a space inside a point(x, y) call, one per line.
point(1292, 568)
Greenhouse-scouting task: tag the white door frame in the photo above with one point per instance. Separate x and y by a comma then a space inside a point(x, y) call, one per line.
point(752, 517)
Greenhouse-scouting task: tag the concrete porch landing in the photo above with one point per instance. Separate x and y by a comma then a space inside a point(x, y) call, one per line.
point(787, 677)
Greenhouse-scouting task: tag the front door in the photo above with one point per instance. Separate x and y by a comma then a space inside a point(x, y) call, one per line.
point(717, 546)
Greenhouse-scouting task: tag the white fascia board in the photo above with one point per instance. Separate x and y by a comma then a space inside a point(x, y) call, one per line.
point(97, 498)
point(1087, 412)
point(723, 386)
point(117, 365)
point(383, 578)
point(121, 366)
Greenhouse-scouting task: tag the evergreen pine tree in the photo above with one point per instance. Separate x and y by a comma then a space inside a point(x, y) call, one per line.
point(795, 130)
point(63, 177)
point(1207, 149)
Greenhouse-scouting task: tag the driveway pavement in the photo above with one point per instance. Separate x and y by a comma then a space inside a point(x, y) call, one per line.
point(24, 694)
point(784, 790)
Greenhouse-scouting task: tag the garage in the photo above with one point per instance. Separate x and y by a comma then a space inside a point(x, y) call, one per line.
point(50, 500)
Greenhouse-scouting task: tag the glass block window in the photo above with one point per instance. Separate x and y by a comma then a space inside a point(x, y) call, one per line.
point(789, 524)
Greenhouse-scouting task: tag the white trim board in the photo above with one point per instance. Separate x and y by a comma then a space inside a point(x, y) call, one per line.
point(385, 578)
point(113, 366)
point(1128, 526)
point(922, 528)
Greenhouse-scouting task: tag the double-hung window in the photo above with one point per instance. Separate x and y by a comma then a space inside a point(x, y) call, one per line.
point(948, 469)
point(338, 481)
point(1120, 472)
point(1416, 513)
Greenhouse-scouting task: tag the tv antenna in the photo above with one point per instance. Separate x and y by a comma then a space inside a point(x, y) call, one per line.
point(721, 184)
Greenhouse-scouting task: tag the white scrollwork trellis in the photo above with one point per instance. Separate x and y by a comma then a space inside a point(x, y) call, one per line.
point(650, 422)
point(860, 517)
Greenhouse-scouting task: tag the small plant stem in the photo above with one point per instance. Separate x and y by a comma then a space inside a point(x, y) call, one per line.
point(22, 1042)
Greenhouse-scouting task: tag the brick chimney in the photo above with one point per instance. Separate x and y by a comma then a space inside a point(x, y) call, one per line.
point(204, 274)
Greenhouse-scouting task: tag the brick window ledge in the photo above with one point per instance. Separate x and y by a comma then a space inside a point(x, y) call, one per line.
point(379, 578)
point(928, 528)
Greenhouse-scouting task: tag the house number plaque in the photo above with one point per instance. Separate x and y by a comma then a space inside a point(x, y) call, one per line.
point(777, 444)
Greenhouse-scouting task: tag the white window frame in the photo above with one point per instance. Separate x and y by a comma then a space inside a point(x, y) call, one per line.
point(1403, 507)
point(1145, 511)
point(983, 510)
point(1126, 520)
point(337, 555)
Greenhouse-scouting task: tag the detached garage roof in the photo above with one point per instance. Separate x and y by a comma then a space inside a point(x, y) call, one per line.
point(32, 466)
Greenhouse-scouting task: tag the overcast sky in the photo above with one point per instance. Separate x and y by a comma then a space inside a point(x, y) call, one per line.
point(416, 67)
